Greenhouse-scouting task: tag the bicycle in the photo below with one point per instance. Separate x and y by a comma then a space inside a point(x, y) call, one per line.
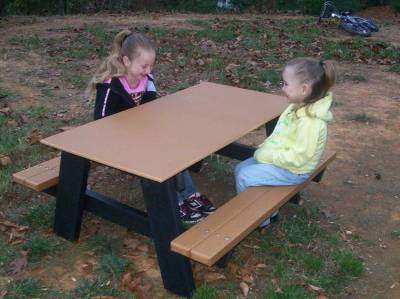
point(348, 22)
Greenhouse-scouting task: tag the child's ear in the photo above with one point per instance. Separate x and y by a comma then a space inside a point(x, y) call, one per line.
point(306, 89)
point(126, 60)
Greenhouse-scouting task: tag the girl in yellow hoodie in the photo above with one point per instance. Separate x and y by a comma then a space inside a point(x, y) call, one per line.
point(292, 151)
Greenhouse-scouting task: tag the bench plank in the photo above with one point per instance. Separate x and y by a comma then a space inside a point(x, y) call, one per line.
point(41, 176)
point(213, 237)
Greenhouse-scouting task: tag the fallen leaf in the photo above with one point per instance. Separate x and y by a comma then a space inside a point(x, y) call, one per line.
point(34, 137)
point(233, 267)
point(20, 263)
point(5, 160)
point(131, 243)
point(143, 248)
point(3, 293)
point(213, 276)
point(321, 297)
point(143, 291)
point(244, 288)
point(248, 279)
point(126, 279)
point(261, 266)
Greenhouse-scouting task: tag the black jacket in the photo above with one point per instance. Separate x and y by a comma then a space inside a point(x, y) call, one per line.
point(112, 98)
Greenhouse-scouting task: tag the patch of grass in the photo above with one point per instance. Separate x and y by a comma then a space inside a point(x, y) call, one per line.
point(102, 244)
point(113, 266)
point(312, 263)
point(348, 264)
point(219, 169)
point(288, 292)
point(40, 246)
point(99, 32)
point(97, 288)
point(30, 42)
point(358, 78)
point(200, 22)
point(269, 75)
point(205, 292)
point(7, 254)
point(178, 86)
point(222, 35)
point(300, 249)
point(26, 288)
point(39, 215)
point(361, 117)
point(159, 32)
point(395, 68)
point(6, 94)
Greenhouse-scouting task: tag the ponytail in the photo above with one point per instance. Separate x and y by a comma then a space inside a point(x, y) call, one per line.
point(125, 43)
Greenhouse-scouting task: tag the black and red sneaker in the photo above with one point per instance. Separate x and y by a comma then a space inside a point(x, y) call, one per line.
point(200, 203)
point(189, 215)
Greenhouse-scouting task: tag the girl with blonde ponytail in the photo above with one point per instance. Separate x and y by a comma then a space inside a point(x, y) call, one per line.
point(290, 154)
point(124, 78)
point(124, 81)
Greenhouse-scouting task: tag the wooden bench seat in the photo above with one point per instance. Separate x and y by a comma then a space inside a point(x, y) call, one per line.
point(39, 177)
point(209, 240)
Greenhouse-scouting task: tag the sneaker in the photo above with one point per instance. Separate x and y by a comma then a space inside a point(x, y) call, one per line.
point(188, 215)
point(268, 221)
point(200, 203)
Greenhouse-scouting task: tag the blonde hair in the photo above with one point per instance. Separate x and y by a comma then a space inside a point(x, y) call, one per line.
point(127, 44)
point(321, 76)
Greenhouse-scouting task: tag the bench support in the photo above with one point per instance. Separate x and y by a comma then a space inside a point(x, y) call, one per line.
point(165, 224)
point(70, 196)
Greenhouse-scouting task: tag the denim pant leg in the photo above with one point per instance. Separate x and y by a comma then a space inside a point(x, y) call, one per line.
point(251, 173)
point(189, 189)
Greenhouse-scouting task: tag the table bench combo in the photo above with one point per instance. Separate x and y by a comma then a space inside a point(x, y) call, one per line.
point(156, 142)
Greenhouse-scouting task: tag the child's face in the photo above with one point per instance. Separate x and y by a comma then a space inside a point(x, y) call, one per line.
point(141, 65)
point(295, 91)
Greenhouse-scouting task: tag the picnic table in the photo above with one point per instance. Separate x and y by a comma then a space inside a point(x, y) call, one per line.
point(156, 142)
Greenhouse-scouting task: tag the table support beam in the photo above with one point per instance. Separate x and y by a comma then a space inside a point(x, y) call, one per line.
point(165, 224)
point(116, 212)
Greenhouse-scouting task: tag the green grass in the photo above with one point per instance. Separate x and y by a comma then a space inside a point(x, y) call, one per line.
point(113, 266)
point(304, 251)
point(39, 215)
point(15, 131)
point(269, 75)
point(7, 254)
point(348, 264)
point(90, 289)
point(395, 68)
point(219, 168)
point(361, 117)
point(205, 292)
point(29, 42)
point(40, 246)
point(102, 244)
point(26, 288)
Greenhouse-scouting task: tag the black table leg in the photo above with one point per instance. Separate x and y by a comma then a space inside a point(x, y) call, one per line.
point(70, 196)
point(165, 224)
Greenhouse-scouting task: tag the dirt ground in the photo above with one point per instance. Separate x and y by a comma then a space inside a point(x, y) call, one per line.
point(360, 192)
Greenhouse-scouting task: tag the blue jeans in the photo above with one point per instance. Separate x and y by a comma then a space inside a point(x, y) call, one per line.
point(250, 173)
point(189, 189)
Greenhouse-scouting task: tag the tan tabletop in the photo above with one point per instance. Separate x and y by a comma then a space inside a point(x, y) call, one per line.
point(161, 138)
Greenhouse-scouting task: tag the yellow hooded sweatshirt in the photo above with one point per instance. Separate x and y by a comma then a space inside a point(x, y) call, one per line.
point(298, 139)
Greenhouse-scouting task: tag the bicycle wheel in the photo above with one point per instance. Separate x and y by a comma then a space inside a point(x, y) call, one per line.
point(372, 25)
point(356, 29)
point(369, 23)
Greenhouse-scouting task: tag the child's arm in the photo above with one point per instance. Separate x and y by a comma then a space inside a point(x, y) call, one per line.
point(298, 151)
point(151, 92)
point(102, 91)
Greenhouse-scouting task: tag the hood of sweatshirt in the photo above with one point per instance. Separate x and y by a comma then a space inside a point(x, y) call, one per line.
point(319, 109)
